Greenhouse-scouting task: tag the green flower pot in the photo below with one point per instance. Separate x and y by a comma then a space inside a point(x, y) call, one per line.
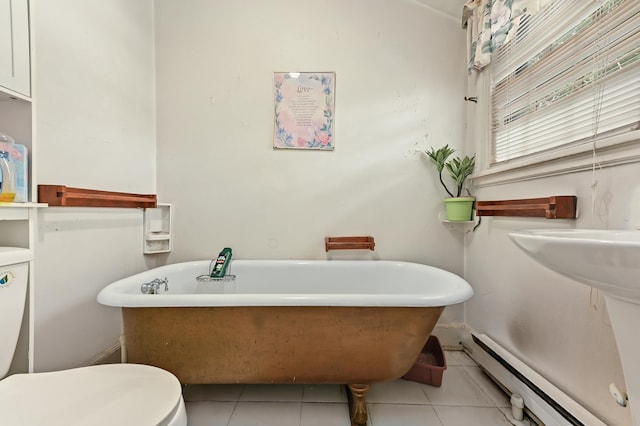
point(459, 209)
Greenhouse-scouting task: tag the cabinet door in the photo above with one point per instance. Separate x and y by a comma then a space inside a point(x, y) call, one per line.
point(14, 46)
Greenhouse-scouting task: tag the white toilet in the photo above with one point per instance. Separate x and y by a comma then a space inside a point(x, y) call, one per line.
point(113, 394)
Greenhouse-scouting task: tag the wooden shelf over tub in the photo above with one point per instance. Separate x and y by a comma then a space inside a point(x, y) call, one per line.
point(349, 243)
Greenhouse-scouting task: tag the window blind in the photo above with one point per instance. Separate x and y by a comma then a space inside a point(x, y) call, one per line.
point(571, 75)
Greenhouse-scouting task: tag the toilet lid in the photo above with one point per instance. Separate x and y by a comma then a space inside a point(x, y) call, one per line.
point(112, 394)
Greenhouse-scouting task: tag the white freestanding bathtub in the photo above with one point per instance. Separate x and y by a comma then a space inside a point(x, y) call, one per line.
point(286, 321)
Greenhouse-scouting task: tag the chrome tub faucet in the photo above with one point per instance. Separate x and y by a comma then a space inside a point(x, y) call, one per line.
point(152, 287)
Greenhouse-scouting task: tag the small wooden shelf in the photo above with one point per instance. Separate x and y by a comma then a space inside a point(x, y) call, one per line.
point(555, 207)
point(349, 243)
point(64, 196)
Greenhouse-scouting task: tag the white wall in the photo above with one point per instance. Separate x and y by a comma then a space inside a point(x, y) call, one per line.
point(95, 93)
point(400, 78)
point(559, 327)
point(399, 84)
point(95, 128)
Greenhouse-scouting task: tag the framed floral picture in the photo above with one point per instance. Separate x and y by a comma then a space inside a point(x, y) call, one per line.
point(304, 110)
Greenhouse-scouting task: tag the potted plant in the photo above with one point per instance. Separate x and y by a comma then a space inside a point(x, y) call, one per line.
point(458, 208)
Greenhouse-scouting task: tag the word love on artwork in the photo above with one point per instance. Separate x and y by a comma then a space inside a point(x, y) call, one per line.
point(304, 110)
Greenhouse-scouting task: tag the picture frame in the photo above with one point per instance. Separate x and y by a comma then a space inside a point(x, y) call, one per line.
point(304, 105)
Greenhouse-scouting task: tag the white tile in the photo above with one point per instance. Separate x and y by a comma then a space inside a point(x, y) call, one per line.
point(266, 414)
point(402, 415)
point(497, 395)
point(209, 413)
point(280, 393)
point(508, 414)
point(476, 416)
point(449, 356)
point(324, 393)
point(397, 392)
point(325, 414)
point(459, 358)
point(458, 388)
point(212, 392)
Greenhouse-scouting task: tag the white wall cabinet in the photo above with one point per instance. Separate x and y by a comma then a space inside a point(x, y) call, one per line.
point(17, 229)
point(15, 73)
point(18, 220)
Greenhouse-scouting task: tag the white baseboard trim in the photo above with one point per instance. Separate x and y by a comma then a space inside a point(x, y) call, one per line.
point(110, 355)
point(547, 403)
point(451, 335)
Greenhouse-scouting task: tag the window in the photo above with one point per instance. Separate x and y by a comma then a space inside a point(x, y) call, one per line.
point(569, 81)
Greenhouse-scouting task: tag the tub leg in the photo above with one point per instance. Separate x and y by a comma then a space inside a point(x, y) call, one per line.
point(357, 405)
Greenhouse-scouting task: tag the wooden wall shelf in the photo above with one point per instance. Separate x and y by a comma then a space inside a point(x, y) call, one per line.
point(555, 207)
point(64, 196)
point(349, 243)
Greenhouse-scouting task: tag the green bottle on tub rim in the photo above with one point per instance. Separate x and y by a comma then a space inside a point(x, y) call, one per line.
point(222, 262)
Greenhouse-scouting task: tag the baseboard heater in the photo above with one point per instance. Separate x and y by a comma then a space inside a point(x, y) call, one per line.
point(545, 401)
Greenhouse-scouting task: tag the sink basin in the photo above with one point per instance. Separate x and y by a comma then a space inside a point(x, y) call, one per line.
point(606, 259)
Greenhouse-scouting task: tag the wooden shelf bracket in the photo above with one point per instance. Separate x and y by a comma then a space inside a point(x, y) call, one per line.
point(555, 207)
point(64, 196)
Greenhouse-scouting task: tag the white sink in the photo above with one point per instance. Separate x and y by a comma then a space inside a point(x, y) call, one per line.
point(608, 260)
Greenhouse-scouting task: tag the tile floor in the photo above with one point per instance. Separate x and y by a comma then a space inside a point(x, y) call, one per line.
point(467, 397)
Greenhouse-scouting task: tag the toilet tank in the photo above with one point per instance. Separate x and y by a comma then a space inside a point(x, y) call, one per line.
point(14, 271)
